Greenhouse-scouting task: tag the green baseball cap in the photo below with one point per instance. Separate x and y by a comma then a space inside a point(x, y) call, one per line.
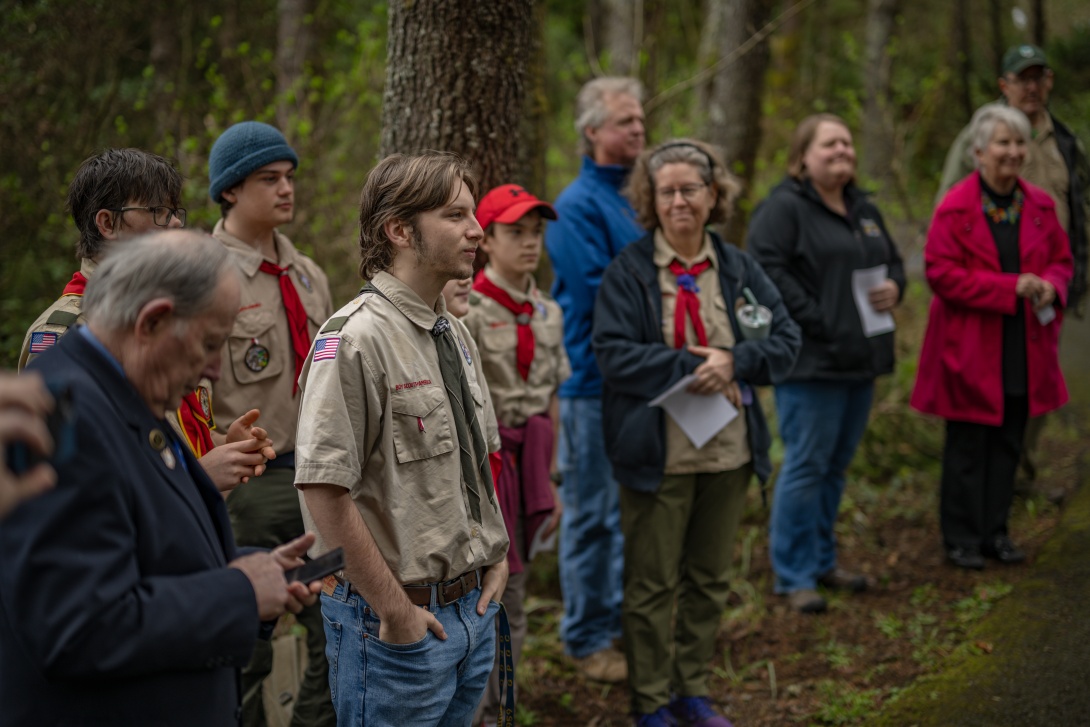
point(1020, 57)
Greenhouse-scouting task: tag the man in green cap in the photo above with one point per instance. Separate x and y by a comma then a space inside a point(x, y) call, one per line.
point(1056, 161)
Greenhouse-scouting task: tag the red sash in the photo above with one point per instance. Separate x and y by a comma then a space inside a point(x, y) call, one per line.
point(524, 355)
point(195, 424)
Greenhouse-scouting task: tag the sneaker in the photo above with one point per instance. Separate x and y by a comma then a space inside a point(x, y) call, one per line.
point(1002, 549)
point(607, 665)
point(806, 600)
point(969, 558)
point(697, 712)
point(661, 717)
point(841, 580)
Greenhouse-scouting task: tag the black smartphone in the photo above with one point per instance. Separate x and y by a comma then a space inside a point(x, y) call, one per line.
point(62, 428)
point(318, 568)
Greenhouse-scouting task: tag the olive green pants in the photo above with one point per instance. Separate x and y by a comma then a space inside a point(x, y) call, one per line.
point(678, 547)
point(264, 514)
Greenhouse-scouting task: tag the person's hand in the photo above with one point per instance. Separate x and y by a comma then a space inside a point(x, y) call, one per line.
point(1046, 297)
point(1029, 285)
point(290, 555)
point(734, 394)
point(266, 575)
point(495, 581)
point(883, 297)
point(553, 522)
point(243, 428)
point(409, 626)
point(24, 402)
point(230, 465)
point(715, 374)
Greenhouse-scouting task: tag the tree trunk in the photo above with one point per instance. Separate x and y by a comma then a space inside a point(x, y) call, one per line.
point(877, 136)
point(292, 44)
point(733, 100)
point(623, 28)
point(999, 47)
point(962, 60)
point(455, 81)
point(1039, 23)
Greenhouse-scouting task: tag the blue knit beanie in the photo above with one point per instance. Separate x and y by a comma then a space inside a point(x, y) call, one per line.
point(243, 149)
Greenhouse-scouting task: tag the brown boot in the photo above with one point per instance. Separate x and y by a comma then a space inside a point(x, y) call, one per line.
point(607, 665)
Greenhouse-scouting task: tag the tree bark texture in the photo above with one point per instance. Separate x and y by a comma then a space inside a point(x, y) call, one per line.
point(733, 99)
point(455, 81)
point(623, 28)
point(877, 136)
point(292, 45)
point(962, 60)
point(1039, 23)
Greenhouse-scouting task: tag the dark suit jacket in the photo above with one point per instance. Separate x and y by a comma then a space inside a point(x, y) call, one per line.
point(116, 607)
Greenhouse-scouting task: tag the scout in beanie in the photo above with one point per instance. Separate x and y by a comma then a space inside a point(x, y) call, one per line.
point(519, 330)
point(285, 298)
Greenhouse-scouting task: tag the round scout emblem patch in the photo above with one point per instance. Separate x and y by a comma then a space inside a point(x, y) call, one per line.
point(522, 319)
point(206, 404)
point(157, 441)
point(257, 357)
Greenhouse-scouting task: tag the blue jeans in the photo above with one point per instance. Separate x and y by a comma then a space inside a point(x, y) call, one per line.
point(821, 423)
point(428, 682)
point(591, 544)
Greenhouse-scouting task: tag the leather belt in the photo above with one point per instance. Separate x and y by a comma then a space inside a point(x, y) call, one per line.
point(446, 592)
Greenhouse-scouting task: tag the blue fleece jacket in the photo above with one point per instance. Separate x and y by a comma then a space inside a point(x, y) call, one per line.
point(595, 223)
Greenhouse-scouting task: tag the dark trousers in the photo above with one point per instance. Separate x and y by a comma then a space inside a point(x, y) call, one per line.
point(265, 513)
point(978, 468)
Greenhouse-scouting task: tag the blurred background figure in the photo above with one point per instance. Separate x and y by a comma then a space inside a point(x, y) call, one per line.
point(999, 263)
point(24, 404)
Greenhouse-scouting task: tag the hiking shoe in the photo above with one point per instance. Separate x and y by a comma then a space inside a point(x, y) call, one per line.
point(1002, 549)
point(661, 717)
point(607, 665)
point(697, 712)
point(806, 600)
point(969, 558)
point(841, 580)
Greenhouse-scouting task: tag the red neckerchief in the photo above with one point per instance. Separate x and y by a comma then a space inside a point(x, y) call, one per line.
point(195, 425)
point(688, 302)
point(523, 312)
point(297, 317)
point(76, 285)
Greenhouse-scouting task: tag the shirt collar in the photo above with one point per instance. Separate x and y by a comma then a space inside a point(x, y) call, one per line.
point(101, 348)
point(88, 267)
point(519, 296)
point(250, 259)
point(664, 254)
point(411, 305)
point(615, 175)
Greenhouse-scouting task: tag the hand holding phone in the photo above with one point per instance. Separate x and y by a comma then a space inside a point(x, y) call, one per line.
point(318, 568)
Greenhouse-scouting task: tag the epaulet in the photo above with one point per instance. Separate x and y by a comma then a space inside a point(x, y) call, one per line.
point(62, 318)
point(337, 322)
point(334, 324)
point(475, 297)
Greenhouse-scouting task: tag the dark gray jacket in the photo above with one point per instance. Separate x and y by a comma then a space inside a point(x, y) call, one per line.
point(637, 365)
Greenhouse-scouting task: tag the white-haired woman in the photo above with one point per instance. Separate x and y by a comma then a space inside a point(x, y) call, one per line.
point(999, 263)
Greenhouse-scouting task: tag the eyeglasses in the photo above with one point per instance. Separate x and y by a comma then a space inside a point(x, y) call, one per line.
point(1027, 79)
point(689, 192)
point(159, 215)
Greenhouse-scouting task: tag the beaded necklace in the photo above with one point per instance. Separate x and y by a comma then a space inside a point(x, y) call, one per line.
point(1003, 215)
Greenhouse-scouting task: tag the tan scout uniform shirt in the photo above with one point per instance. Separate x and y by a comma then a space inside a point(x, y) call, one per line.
point(1045, 167)
point(65, 304)
point(258, 360)
point(375, 419)
point(729, 449)
point(496, 332)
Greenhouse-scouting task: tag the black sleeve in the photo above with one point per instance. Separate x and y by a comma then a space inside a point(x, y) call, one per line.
point(771, 360)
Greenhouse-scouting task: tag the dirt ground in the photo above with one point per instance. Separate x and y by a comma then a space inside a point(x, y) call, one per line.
point(776, 667)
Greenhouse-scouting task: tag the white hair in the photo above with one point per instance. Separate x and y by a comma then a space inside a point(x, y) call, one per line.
point(982, 127)
point(590, 104)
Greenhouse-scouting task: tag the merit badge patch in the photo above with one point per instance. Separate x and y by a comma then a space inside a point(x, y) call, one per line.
point(326, 348)
point(206, 403)
point(43, 341)
point(304, 280)
point(257, 357)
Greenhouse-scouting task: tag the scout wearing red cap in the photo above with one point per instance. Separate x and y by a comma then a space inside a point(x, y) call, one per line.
point(507, 204)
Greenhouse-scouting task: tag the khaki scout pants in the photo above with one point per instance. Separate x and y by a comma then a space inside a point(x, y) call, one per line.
point(264, 514)
point(679, 544)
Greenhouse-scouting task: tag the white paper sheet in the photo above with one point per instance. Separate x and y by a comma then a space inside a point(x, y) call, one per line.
point(874, 323)
point(1046, 315)
point(700, 417)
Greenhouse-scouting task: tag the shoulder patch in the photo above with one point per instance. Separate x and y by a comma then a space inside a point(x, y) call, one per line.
point(62, 318)
point(334, 324)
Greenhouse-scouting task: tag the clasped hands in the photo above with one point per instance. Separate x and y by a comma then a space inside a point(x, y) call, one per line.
point(715, 375)
point(1038, 290)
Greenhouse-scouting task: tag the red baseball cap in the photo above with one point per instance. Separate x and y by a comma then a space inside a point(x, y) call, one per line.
point(508, 203)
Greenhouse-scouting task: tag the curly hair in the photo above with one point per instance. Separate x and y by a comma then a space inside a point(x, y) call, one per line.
point(401, 187)
point(640, 189)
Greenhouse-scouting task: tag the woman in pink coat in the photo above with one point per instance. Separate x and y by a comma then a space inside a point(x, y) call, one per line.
point(999, 264)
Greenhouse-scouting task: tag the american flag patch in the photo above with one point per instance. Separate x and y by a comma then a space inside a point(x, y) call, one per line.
point(40, 342)
point(326, 349)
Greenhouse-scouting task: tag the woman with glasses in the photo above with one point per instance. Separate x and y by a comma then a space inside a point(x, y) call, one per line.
point(999, 264)
point(666, 310)
point(814, 234)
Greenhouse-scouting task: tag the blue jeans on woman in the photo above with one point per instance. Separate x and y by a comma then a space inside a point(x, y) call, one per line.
point(821, 423)
point(430, 682)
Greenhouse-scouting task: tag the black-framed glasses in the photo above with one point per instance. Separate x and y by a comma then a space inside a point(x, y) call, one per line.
point(159, 215)
point(689, 192)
